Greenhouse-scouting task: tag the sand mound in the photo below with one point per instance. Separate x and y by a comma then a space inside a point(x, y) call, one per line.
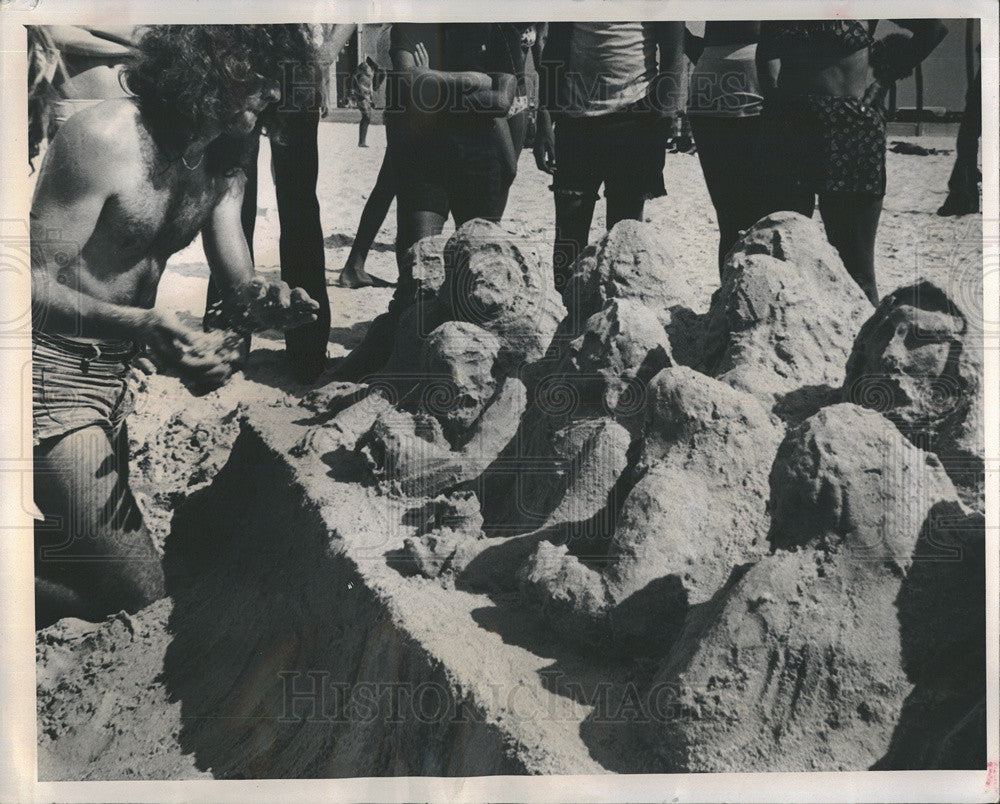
point(784, 321)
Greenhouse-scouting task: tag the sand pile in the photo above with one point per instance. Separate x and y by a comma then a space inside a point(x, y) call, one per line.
point(181, 456)
point(742, 564)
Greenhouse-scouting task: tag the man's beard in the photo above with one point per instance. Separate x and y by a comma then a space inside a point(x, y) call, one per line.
point(233, 150)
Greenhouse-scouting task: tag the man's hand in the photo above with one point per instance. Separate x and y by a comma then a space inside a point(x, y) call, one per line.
point(271, 304)
point(203, 360)
point(544, 146)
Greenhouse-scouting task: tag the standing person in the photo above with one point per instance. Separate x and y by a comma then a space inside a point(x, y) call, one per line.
point(507, 52)
point(508, 46)
point(724, 106)
point(963, 190)
point(70, 68)
point(366, 79)
point(447, 153)
point(823, 124)
point(605, 110)
point(353, 274)
point(126, 184)
point(295, 168)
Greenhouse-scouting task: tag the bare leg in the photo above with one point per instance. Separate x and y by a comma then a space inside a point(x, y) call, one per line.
point(574, 214)
point(371, 354)
point(851, 222)
point(93, 553)
point(423, 223)
point(376, 208)
point(366, 119)
point(518, 131)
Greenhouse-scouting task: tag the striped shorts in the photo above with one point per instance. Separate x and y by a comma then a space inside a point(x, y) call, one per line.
point(77, 384)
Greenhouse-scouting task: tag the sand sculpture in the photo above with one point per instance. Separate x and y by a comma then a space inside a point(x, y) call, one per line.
point(565, 550)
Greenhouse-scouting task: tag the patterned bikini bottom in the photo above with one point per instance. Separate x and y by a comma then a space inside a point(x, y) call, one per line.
point(824, 144)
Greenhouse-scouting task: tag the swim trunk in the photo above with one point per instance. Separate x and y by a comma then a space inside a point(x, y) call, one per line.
point(77, 384)
point(824, 144)
point(623, 150)
point(451, 166)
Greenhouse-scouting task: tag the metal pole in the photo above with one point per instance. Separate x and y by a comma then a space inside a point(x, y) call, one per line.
point(918, 74)
point(970, 51)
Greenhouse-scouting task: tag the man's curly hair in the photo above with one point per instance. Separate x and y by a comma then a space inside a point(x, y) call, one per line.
point(193, 79)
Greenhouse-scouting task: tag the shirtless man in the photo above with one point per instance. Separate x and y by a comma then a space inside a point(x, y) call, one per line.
point(123, 186)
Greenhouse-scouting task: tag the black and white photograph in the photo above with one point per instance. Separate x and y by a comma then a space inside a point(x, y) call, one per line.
point(604, 400)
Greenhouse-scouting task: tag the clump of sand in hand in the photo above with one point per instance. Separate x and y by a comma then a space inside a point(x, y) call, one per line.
point(225, 348)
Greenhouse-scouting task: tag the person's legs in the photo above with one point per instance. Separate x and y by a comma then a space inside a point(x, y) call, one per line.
point(971, 127)
point(366, 119)
point(781, 192)
point(631, 147)
point(376, 208)
point(425, 223)
point(851, 222)
point(518, 132)
point(574, 188)
point(417, 170)
point(785, 156)
point(574, 214)
point(296, 166)
point(624, 206)
point(404, 236)
point(963, 192)
point(421, 210)
point(93, 553)
point(427, 203)
point(726, 150)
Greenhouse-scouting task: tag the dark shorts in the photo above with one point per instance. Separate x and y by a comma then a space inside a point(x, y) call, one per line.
point(624, 151)
point(823, 144)
point(447, 168)
point(75, 384)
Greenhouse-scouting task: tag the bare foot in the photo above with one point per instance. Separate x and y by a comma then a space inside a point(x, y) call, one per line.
point(357, 278)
